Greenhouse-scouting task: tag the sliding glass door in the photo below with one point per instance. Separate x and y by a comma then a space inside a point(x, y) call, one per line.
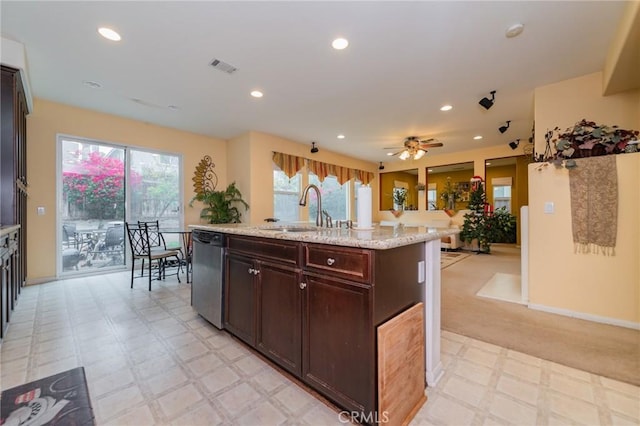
point(91, 207)
point(100, 187)
point(155, 190)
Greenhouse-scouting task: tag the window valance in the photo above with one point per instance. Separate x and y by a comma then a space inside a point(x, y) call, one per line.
point(291, 164)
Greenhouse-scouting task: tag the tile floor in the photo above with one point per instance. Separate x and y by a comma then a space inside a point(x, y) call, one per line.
point(151, 360)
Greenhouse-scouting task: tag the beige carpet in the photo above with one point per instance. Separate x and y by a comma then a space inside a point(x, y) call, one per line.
point(606, 350)
point(448, 258)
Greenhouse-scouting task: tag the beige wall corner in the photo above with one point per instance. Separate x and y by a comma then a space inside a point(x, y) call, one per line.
point(599, 286)
point(590, 284)
point(622, 66)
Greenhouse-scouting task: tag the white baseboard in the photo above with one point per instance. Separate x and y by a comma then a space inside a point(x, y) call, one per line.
point(584, 316)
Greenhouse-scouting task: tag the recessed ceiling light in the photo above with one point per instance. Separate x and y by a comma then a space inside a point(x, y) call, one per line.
point(446, 108)
point(429, 170)
point(257, 94)
point(92, 84)
point(477, 137)
point(109, 34)
point(514, 30)
point(340, 136)
point(340, 43)
point(487, 163)
point(389, 154)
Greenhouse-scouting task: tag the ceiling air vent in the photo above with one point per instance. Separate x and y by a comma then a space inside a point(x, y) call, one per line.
point(223, 66)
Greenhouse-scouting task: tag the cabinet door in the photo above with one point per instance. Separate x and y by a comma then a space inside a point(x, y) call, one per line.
point(4, 297)
point(338, 341)
point(240, 298)
point(280, 315)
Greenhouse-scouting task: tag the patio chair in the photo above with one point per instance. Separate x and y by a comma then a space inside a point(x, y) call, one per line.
point(141, 249)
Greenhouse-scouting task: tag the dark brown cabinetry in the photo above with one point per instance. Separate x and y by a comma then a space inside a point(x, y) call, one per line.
point(262, 302)
point(9, 284)
point(240, 300)
point(313, 308)
point(339, 342)
point(13, 189)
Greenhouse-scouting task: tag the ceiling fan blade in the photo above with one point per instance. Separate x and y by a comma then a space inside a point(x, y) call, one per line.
point(431, 145)
point(395, 147)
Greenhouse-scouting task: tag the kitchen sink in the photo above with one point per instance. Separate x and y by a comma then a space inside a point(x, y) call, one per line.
point(289, 229)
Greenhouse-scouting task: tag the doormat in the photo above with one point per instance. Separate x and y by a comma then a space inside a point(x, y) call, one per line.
point(448, 258)
point(505, 287)
point(61, 399)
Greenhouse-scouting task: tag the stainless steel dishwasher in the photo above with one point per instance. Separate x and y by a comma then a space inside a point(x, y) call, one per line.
point(207, 286)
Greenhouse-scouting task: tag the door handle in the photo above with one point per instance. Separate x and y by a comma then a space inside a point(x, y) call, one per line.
point(302, 286)
point(252, 271)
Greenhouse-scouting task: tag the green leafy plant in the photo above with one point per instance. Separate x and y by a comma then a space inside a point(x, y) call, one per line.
point(399, 196)
point(585, 139)
point(221, 205)
point(450, 195)
point(485, 227)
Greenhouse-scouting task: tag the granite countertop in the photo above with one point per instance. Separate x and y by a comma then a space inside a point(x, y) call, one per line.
point(378, 238)
point(7, 229)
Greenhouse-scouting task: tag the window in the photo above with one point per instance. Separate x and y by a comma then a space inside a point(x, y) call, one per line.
point(286, 197)
point(286, 194)
point(502, 197)
point(334, 198)
point(100, 186)
point(432, 199)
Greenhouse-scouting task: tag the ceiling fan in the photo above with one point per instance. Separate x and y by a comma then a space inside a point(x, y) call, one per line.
point(414, 148)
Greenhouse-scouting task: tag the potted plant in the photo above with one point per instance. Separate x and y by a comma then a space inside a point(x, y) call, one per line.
point(586, 139)
point(450, 195)
point(399, 198)
point(484, 226)
point(220, 205)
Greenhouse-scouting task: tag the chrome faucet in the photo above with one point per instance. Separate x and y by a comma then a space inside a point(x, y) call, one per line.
point(303, 202)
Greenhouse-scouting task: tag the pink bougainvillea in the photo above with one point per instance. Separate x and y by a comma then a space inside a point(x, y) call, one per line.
point(96, 185)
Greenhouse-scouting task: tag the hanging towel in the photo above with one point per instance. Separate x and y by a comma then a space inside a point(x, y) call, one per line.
point(593, 184)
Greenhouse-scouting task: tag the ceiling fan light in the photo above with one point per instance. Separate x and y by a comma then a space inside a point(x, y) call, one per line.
point(418, 155)
point(405, 154)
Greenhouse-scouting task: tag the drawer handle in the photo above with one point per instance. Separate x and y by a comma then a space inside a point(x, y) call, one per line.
point(252, 271)
point(331, 261)
point(256, 271)
point(303, 286)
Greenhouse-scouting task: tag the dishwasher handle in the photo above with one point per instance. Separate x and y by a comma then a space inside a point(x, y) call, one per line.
point(208, 238)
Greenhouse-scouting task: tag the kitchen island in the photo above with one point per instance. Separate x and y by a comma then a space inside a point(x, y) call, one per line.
point(310, 299)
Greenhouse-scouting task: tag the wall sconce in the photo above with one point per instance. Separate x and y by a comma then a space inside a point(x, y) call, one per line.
point(504, 128)
point(486, 102)
point(381, 167)
point(514, 144)
point(314, 148)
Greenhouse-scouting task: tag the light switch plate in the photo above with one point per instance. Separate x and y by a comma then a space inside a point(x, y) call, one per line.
point(549, 207)
point(421, 271)
point(40, 211)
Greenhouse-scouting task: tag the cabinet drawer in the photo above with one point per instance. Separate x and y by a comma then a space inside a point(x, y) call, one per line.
point(350, 263)
point(282, 251)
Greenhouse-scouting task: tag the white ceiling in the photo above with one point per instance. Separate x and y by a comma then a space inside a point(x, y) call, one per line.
point(404, 61)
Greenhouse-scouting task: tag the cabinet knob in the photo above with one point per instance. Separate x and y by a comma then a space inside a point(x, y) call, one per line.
point(303, 286)
point(256, 271)
point(331, 261)
point(251, 271)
